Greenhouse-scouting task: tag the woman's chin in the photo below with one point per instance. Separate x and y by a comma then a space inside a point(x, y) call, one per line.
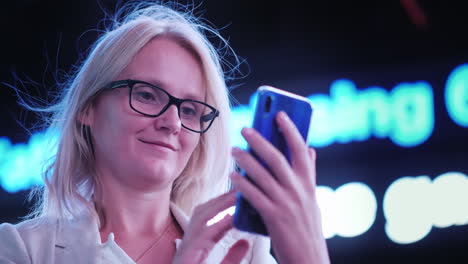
point(155, 179)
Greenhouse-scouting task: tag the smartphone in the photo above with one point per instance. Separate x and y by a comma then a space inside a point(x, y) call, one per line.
point(270, 101)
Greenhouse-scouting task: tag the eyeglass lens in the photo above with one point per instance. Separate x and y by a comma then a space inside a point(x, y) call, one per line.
point(152, 100)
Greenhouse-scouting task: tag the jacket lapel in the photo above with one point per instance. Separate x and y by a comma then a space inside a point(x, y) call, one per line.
point(77, 241)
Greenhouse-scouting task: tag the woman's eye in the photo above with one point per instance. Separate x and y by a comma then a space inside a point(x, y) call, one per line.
point(188, 111)
point(146, 96)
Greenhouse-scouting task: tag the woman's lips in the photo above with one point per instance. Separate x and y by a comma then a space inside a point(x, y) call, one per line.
point(159, 143)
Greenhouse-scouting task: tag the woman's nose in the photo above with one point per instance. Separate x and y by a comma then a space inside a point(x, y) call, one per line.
point(169, 120)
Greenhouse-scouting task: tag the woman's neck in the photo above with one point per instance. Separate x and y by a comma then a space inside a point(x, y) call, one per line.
point(124, 210)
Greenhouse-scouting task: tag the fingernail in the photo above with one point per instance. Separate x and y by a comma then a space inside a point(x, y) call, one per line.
point(236, 151)
point(283, 115)
point(247, 131)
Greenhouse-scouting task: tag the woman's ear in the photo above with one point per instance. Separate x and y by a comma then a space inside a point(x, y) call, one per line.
point(86, 117)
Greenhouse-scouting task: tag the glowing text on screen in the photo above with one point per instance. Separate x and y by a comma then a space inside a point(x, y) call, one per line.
point(405, 115)
point(348, 211)
point(414, 205)
point(456, 95)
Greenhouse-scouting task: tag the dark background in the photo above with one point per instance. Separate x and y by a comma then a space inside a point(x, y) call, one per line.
point(301, 46)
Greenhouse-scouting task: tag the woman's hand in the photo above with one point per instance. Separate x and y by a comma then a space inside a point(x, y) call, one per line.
point(200, 239)
point(284, 195)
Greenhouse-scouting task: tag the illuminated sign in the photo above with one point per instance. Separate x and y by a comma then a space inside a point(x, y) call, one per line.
point(348, 211)
point(21, 164)
point(405, 115)
point(412, 206)
point(456, 95)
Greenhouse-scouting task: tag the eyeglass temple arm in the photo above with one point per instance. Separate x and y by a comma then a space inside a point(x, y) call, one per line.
point(118, 84)
point(210, 116)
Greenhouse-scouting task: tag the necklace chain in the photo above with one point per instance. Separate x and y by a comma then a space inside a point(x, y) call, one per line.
point(154, 243)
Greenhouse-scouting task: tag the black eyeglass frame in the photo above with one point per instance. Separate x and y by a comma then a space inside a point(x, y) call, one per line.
point(172, 101)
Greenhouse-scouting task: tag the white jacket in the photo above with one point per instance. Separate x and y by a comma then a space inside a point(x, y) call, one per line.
point(77, 242)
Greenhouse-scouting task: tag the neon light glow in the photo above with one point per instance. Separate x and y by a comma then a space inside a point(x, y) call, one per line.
point(349, 211)
point(414, 205)
point(405, 115)
point(456, 95)
point(21, 164)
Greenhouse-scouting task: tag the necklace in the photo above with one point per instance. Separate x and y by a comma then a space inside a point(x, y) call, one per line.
point(155, 242)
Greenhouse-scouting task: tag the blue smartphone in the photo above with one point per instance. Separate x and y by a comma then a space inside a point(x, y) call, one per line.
point(270, 101)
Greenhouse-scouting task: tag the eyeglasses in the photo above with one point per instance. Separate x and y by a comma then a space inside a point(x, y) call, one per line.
point(152, 101)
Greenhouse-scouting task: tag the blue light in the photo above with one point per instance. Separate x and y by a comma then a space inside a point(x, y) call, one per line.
point(456, 95)
point(379, 120)
point(243, 116)
point(5, 145)
point(321, 133)
point(21, 164)
point(405, 115)
point(413, 113)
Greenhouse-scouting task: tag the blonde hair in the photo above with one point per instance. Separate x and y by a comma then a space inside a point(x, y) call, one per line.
point(70, 180)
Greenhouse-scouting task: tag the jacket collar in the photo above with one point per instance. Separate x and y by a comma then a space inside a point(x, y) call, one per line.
point(84, 231)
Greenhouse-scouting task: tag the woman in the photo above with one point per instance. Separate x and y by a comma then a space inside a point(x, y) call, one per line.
point(144, 144)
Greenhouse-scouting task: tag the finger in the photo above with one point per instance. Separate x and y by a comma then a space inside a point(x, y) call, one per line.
point(210, 209)
point(295, 141)
point(236, 253)
point(273, 158)
point(312, 154)
point(217, 230)
point(252, 194)
point(198, 243)
point(206, 237)
point(260, 176)
point(313, 157)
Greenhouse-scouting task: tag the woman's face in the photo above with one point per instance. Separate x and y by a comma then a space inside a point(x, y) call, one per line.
point(147, 152)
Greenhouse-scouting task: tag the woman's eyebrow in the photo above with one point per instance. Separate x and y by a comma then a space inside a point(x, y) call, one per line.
point(189, 95)
point(155, 82)
point(195, 97)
